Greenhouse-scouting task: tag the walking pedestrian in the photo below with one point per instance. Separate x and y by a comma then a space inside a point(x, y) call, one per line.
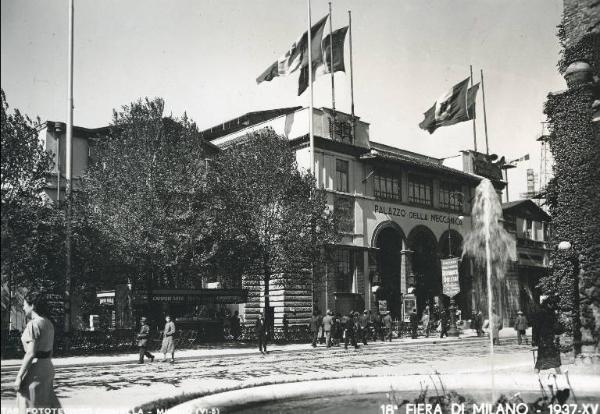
point(377, 327)
point(444, 322)
point(414, 323)
point(314, 328)
point(364, 326)
point(321, 331)
point(143, 337)
point(387, 321)
point(425, 320)
point(479, 323)
point(335, 330)
point(286, 327)
point(327, 321)
point(35, 380)
point(349, 336)
point(235, 326)
point(496, 328)
point(521, 327)
point(546, 329)
point(260, 330)
point(168, 343)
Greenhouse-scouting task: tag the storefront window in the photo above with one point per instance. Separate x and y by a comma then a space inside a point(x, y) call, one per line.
point(387, 185)
point(451, 196)
point(341, 175)
point(344, 270)
point(420, 190)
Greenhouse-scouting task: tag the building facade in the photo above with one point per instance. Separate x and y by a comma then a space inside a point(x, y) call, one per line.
point(531, 227)
point(400, 213)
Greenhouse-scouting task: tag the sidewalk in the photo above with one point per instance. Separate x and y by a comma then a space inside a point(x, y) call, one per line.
point(217, 350)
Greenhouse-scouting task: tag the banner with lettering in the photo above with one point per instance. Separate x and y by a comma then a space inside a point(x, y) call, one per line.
point(450, 282)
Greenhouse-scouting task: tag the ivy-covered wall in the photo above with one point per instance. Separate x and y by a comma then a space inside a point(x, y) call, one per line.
point(574, 193)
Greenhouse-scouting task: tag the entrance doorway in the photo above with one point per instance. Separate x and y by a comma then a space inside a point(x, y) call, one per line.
point(389, 243)
point(426, 267)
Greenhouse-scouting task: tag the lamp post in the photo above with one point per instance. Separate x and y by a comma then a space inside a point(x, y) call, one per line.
point(453, 330)
point(566, 246)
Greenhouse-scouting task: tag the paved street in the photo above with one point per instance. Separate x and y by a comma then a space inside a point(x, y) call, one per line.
point(121, 385)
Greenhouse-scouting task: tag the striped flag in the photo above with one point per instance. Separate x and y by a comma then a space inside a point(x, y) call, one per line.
point(456, 105)
point(322, 66)
point(297, 55)
point(523, 158)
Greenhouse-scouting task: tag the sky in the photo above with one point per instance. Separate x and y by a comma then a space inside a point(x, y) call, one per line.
point(203, 57)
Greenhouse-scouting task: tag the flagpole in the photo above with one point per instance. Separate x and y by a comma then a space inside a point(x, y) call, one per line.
point(474, 125)
point(331, 61)
point(487, 148)
point(310, 106)
point(69, 174)
point(351, 76)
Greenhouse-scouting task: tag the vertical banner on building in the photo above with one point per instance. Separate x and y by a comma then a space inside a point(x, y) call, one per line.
point(450, 280)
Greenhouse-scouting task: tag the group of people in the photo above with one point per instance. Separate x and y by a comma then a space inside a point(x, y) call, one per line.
point(168, 341)
point(351, 328)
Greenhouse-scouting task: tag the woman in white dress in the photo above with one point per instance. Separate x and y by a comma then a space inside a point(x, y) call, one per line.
point(168, 343)
point(35, 379)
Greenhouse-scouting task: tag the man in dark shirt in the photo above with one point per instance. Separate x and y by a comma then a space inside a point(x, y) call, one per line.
point(414, 323)
point(143, 337)
point(364, 326)
point(260, 329)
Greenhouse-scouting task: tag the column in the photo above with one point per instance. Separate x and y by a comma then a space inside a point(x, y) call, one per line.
point(406, 272)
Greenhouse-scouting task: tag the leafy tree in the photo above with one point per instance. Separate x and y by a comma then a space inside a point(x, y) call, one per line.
point(145, 193)
point(269, 222)
point(30, 226)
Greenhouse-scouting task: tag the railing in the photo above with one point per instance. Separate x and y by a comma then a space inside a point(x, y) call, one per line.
point(533, 244)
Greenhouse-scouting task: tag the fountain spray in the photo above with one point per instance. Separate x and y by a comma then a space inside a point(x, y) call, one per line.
point(490, 246)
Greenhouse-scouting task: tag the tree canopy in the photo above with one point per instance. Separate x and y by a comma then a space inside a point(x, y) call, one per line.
point(269, 221)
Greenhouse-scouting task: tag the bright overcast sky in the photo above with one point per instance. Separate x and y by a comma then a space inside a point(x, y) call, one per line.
point(203, 57)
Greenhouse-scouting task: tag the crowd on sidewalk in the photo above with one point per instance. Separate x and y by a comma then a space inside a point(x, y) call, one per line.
point(34, 380)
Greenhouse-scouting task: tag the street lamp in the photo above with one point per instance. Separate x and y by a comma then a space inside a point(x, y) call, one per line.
point(566, 246)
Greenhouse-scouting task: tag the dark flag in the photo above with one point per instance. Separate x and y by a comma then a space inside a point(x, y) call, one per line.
point(456, 105)
point(297, 55)
point(323, 66)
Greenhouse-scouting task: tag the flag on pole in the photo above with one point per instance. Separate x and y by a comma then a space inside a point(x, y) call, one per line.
point(321, 65)
point(523, 158)
point(456, 105)
point(297, 55)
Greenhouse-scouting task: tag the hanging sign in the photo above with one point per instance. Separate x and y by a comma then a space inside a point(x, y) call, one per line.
point(450, 280)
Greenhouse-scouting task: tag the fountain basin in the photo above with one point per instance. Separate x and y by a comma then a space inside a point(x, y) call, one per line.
point(332, 395)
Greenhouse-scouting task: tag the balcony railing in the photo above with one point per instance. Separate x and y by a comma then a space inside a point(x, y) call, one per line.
point(532, 244)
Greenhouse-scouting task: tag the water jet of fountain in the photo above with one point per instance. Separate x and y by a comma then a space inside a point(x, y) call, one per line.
point(490, 246)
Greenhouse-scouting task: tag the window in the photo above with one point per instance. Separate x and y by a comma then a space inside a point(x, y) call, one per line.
point(343, 208)
point(387, 185)
point(419, 190)
point(451, 196)
point(343, 270)
point(341, 175)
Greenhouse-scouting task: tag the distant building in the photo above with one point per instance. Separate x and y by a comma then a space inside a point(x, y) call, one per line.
point(531, 227)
